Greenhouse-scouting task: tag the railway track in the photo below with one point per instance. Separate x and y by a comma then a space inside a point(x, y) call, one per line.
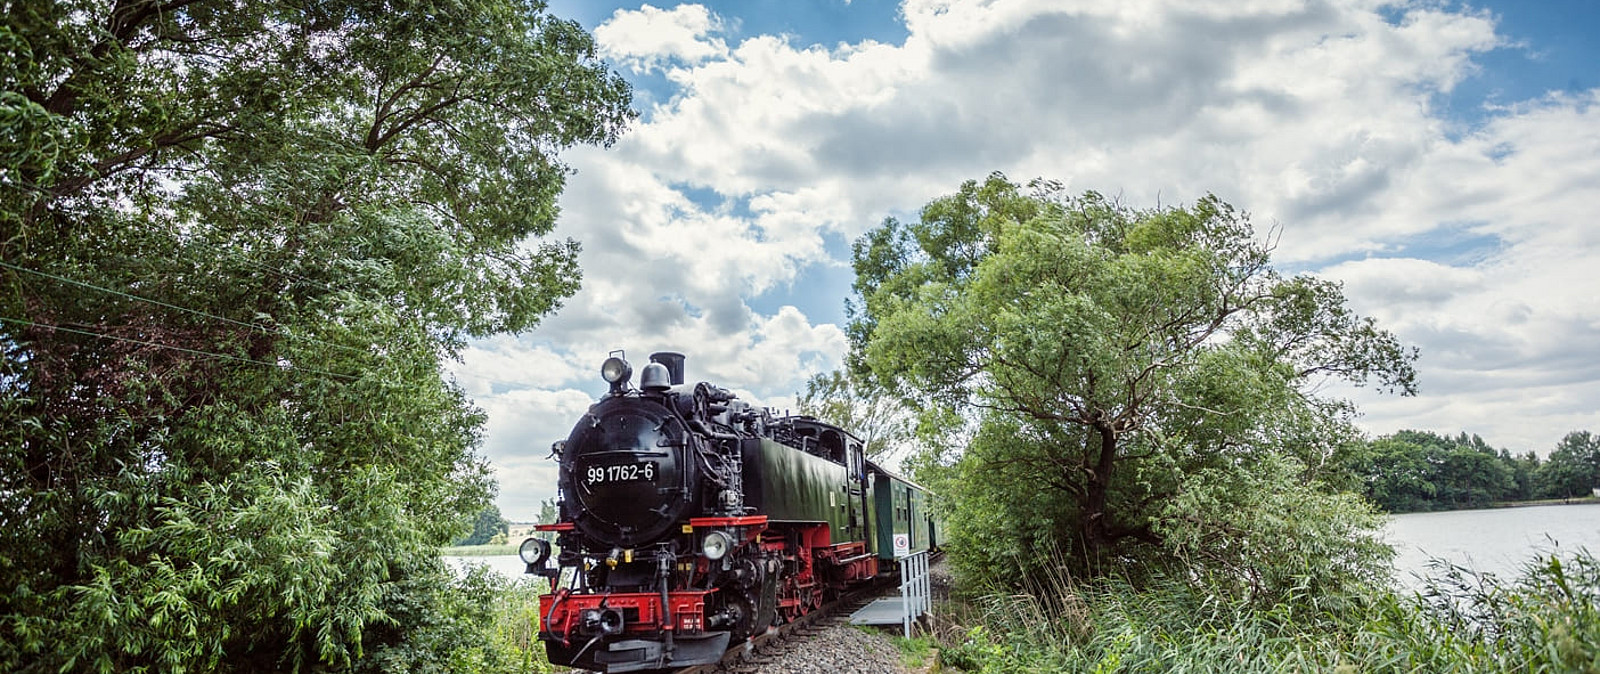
point(759, 651)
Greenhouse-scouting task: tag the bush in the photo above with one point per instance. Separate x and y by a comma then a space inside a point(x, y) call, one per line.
point(485, 623)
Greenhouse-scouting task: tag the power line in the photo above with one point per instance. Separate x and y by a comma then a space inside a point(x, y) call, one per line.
point(159, 345)
point(254, 326)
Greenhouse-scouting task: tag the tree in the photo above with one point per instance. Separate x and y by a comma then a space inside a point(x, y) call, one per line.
point(1420, 470)
point(548, 511)
point(1573, 468)
point(882, 423)
point(486, 526)
point(1396, 475)
point(1524, 473)
point(236, 241)
point(1138, 377)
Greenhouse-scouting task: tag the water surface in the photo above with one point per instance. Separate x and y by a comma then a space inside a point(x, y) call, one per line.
point(510, 566)
point(1498, 541)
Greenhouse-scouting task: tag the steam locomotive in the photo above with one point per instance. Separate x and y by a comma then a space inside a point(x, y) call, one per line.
point(690, 520)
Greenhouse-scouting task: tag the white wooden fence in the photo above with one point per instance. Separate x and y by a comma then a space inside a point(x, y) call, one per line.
point(915, 593)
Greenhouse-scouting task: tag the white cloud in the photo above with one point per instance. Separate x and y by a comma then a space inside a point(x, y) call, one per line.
point(1404, 286)
point(647, 38)
point(525, 483)
point(504, 362)
point(522, 425)
point(525, 422)
point(1320, 117)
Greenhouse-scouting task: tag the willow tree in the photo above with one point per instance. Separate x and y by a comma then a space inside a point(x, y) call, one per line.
point(1142, 382)
point(236, 241)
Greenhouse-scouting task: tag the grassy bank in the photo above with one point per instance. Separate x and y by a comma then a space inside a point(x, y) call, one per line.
point(478, 550)
point(1547, 620)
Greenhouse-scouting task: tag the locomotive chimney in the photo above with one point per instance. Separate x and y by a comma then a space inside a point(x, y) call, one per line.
point(674, 362)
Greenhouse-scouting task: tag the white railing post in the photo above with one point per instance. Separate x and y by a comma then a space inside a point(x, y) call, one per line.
point(915, 589)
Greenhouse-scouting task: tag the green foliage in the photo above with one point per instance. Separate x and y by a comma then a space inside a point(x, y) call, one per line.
point(482, 623)
point(486, 527)
point(548, 511)
point(1287, 542)
point(1573, 468)
point(236, 241)
point(1547, 620)
point(1416, 470)
point(1412, 471)
point(915, 653)
point(1134, 386)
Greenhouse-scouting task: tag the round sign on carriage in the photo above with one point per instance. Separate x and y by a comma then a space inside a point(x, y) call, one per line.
point(902, 545)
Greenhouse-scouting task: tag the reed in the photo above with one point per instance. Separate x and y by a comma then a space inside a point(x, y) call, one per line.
point(1547, 619)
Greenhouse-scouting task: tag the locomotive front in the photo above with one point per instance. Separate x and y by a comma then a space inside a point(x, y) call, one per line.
point(627, 467)
point(650, 502)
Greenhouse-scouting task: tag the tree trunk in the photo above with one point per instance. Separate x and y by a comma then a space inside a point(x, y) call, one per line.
point(1093, 519)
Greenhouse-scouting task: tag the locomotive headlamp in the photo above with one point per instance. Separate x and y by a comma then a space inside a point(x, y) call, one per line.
point(716, 545)
point(616, 372)
point(534, 551)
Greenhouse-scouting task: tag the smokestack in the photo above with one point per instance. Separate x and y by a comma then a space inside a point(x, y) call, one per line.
point(674, 362)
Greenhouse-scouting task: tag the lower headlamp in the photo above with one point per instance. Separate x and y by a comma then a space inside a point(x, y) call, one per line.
point(716, 545)
point(534, 551)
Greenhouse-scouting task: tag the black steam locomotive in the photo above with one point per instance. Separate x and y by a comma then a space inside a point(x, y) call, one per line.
point(690, 521)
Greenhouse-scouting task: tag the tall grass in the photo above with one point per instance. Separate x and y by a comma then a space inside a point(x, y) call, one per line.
point(1545, 620)
point(489, 626)
point(513, 627)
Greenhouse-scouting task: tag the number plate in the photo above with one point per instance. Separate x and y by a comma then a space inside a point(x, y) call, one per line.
point(643, 471)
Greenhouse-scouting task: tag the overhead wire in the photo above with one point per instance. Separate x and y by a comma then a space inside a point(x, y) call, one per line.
point(159, 345)
point(244, 324)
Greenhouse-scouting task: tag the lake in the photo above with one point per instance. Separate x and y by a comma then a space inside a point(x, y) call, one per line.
point(1496, 541)
point(508, 565)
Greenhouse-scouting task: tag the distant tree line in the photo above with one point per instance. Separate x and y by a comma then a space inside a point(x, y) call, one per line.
point(1413, 471)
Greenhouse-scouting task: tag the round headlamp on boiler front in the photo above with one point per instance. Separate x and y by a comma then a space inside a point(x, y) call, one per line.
point(615, 370)
point(534, 551)
point(716, 545)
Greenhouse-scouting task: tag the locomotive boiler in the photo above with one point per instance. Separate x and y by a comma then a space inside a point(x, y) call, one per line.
point(690, 521)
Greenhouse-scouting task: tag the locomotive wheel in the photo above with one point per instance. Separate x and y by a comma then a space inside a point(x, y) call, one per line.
point(744, 603)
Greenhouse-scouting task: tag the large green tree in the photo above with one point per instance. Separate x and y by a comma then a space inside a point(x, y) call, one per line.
point(236, 241)
point(486, 526)
point(1142, 381)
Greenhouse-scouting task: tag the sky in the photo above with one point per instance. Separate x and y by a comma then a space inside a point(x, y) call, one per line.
point(1439, 159)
